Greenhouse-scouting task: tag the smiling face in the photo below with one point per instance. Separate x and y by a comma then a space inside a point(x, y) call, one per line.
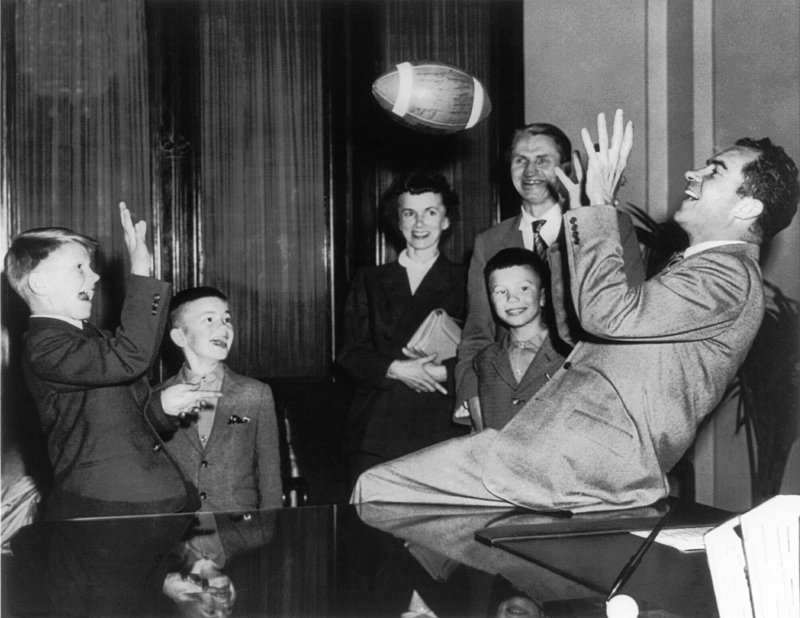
point(422, 219)
point(534, 160)
point(712, 209)
point(63, 283)
point(204, 331)
point(518, 298)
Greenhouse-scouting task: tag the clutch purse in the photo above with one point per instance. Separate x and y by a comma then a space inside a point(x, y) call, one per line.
point(438, 334)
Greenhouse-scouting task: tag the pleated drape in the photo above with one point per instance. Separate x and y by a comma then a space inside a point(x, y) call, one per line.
point(79, 139)
point(262, 181)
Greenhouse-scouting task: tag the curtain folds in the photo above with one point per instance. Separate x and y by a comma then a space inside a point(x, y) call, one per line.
point(263, 207)
point(80, 130)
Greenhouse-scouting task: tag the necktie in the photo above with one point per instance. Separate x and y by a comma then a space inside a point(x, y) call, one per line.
point(539, 245)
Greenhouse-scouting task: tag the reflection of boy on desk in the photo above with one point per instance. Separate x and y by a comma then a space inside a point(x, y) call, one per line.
point(229, 447)
point(512, 370)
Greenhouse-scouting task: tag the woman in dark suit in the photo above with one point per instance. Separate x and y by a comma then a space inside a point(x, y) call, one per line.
point(402, 403)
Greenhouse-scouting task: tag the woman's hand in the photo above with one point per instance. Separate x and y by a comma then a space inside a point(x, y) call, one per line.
point(415, 374)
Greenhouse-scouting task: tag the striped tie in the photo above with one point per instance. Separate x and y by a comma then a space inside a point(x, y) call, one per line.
point(539, 245)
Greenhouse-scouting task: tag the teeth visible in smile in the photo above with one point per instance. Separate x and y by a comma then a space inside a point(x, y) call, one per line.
point(690, 194)
point(223, 343)
point(84, 296)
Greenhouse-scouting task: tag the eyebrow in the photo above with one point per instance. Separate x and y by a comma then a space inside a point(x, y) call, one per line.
point(717, 162)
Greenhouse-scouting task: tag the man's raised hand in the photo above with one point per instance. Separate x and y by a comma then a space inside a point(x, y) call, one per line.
point(608, 160)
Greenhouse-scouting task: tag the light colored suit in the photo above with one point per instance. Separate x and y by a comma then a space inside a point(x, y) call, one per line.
point(239, 468)
point(603, 432)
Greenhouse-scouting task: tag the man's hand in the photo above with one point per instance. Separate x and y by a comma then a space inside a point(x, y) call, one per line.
point(414, 374)
point(574, 190)
point(141, 260)
point(606, 162)
point(183, 399)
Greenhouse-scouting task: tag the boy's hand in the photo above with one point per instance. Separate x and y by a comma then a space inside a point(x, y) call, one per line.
point(183, 399)
point(141, 260)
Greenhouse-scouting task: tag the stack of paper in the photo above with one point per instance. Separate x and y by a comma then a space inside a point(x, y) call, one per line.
point(754, 560)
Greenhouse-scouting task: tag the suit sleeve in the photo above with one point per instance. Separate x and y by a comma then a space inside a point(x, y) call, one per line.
point(70, 362)
point(267, 453)
point(568, 325)
point(358, 355)
point(692, 302)
point(479, 328)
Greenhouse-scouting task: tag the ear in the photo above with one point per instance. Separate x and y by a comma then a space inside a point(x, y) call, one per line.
point(748, 208)
point(446, 223)
point(38, 283)
point(542, 297)
point(178, 338)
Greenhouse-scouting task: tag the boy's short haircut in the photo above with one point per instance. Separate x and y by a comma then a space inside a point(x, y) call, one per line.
point(517, 256)
point(31, 247)
point(189, 295)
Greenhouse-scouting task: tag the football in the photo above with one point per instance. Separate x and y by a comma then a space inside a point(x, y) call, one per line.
point(432, 97)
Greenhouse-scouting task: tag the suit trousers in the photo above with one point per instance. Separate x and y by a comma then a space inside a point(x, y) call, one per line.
point(458, 466)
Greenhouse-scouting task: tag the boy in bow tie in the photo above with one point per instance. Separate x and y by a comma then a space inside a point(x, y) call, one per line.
point(228, 447)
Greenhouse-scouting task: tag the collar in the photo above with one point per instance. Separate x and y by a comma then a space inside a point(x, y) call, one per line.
point(710, 244)
point(211, 381)
point(409, 264)
point(552, 223)
point(74, 322)
point(534, 343)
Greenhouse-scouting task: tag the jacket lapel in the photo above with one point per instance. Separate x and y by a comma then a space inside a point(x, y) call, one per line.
point(503, 366)
point(396, 288)
point(223, 411)
point(513, 236)
point(544, 364)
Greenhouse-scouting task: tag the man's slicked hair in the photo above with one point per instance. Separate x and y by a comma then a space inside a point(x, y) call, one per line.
point(771, 178)
point(184, 297)
point(33, 246)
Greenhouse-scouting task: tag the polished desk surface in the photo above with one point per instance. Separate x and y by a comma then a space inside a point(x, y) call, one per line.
point(331, 561)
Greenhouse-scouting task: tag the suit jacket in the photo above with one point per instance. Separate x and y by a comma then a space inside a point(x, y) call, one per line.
point(91, 393)
point(603, 432)
point(387, 418)
point(500, 393)
point(481, 327)
point(239, 468)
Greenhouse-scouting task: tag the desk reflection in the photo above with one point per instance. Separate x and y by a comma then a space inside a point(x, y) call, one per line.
point(332, 561)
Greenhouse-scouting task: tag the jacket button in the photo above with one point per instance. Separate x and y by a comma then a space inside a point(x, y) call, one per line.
point(156, 448)
point(516, 401)
point(568, 365)
point(156, 296)
point(573, 220)
point(204, 464)
point(154, 312)
point(203, 495)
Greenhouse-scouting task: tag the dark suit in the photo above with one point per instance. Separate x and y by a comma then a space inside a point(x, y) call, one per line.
point(239, 468)
point(91, 392)
point(500, 393)
point(387, 418)
point(481, 328)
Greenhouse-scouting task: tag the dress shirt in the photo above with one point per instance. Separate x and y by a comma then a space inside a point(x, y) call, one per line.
point(549, 231)
point(521, 353)
point(709, 244)
point(416, 271)
point(212, 382)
